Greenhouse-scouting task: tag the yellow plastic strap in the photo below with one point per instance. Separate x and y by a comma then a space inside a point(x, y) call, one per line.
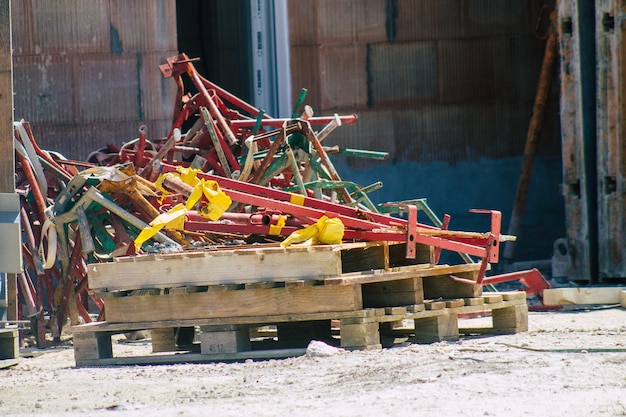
point(297, 199)
point(173, 219)
point(188, 175)
point(195, 195)
point(276, 228)
point(218, 201)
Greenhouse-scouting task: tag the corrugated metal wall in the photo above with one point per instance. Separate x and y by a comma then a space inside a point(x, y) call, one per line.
point(86, 71)
point(445, 86)
point(433, 80)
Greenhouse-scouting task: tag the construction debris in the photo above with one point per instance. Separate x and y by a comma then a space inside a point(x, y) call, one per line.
point(226, 175)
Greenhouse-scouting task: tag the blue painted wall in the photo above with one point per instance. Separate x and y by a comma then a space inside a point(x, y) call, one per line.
point(485, 184)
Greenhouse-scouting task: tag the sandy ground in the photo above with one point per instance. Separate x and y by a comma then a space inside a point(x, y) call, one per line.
point(568, 364)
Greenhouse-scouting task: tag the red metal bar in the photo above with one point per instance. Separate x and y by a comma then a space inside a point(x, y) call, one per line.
point(496, 221)
point(532, 279)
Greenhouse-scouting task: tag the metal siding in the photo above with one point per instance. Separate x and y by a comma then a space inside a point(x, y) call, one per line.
point(64, 26)
point(144, 25)
point(402, 73)
point(474, 70)
point(108, 88)
point(43, 88)
point(370, 20)
point(428, 20)
point(305, 73)
point(75, 87)
point(343, 76)
point(336, 21)
point(496, 17)
point(430, 133)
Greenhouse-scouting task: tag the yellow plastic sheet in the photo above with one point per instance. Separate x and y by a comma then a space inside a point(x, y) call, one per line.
point(172, 219)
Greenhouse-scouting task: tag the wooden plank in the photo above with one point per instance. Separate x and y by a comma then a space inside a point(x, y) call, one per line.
point(443, 286)
point(514, 295)
point(459, 302)
point(229, 304)
point(434, 305)
point(223, 267)
point(411, 271)
point(578, 136)
point(492, 298)
point(622, 298)
point(474, 301)
point(582, 295)
point(393, 293)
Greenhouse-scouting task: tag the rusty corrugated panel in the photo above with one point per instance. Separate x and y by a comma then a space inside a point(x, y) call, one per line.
point(305, 72)
point(402, 73)
point(611, 148)
point(64, 26)
point(493, 17)
point(143, 25)
point(303, 25)
point(336, 21)
point(158, 94)
point(474, 69)
point(108, 88)
point(577, 185)
point(428, 19)
point(343, 76)
point(43, 88)
point(430, 133)
point(20, 24)
point(370, 20)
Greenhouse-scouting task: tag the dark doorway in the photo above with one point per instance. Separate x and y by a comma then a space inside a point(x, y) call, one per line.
point(217, 32)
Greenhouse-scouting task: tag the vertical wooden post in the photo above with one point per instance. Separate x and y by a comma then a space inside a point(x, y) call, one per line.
point(7, 157)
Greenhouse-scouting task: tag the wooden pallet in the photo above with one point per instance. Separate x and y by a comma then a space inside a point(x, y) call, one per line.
point(250, 264)
point(405, 285)
point(232, 338)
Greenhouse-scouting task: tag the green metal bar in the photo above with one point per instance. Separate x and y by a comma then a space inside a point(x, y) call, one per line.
point(298, 105)
point(361, 153)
